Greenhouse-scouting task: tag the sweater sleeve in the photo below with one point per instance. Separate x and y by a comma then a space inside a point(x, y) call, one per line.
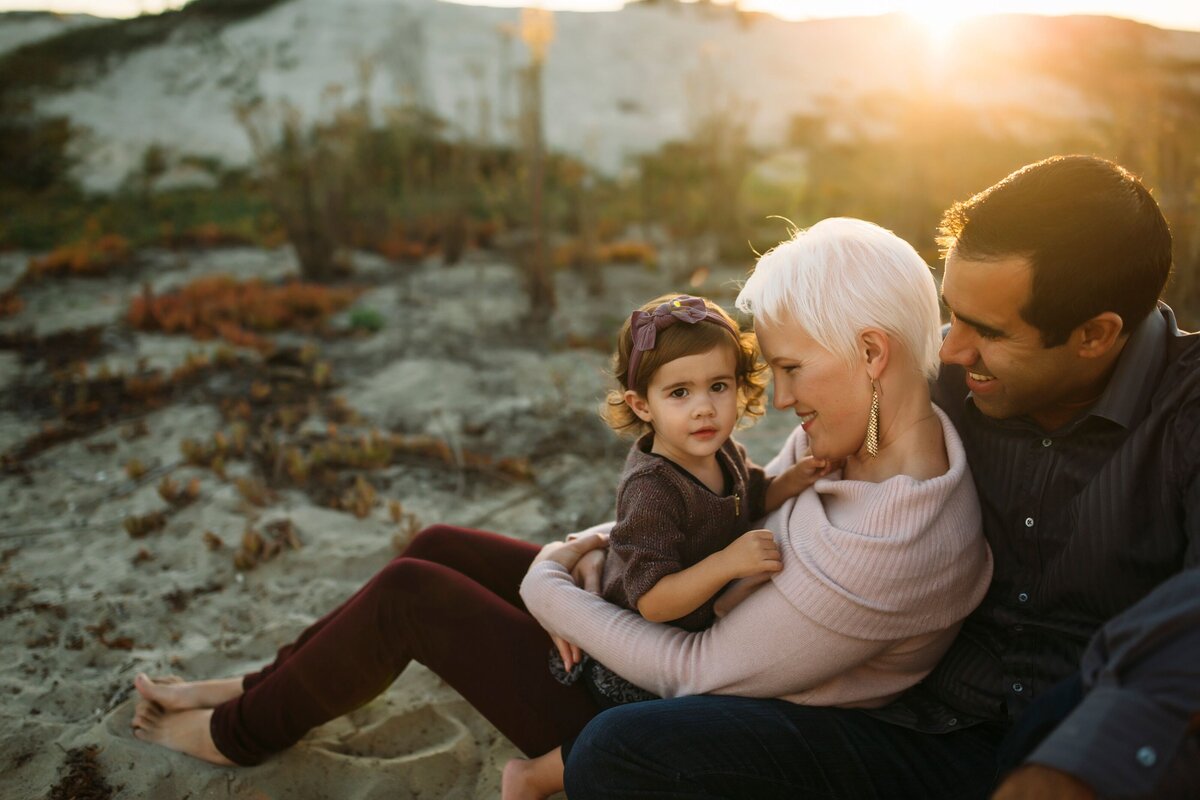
point(673, 662)
point(647, 537)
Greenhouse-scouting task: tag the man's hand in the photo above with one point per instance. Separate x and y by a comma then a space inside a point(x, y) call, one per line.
point(1035, 782)
point(752, 553)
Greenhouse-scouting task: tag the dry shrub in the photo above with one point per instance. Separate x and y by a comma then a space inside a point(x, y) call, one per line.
point(575, 253)
point(361, 498)
point(627, 252)
point(10, 303)
point(135, 469)
point(256, 548)
point(93, 255)
point(255, 492)
point(207, 235)
point(82, 778)
point(140, 526)
point(219, 306)
point(169, 490)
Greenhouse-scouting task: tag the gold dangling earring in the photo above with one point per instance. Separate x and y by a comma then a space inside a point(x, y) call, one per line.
point(873, 423)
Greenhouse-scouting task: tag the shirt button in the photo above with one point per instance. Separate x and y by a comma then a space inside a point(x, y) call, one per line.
point(1046, 442)
point(1147, 757)
point(1018, 628)
point(1023, 597)
point(1018, 688)
point(1029, 522)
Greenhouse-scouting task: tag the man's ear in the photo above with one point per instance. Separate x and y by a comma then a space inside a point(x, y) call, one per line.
point(1096, 337)
point(874, 347)
point(638, 405)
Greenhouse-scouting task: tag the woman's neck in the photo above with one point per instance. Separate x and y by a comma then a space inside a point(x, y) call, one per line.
point(910, 436)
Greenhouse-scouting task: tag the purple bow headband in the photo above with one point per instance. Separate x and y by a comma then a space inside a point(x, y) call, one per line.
point(646, 325)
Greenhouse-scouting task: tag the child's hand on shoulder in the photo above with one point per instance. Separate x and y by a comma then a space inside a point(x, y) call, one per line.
point(752, 553)
point(807, 471)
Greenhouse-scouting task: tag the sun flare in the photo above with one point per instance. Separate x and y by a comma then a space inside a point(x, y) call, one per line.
point(939, 20)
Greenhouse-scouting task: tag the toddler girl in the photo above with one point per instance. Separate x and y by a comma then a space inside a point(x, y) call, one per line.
point(688, 494)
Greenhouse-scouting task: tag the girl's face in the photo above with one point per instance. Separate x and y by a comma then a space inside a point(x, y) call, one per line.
point(831, 400)
point(692, 404)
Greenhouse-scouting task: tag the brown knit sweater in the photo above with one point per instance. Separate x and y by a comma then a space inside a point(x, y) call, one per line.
point(667, 521)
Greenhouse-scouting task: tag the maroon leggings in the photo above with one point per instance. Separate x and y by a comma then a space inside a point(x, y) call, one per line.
point(451, 603)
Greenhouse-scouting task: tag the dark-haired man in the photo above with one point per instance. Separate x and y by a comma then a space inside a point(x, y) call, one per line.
point(1078, 400)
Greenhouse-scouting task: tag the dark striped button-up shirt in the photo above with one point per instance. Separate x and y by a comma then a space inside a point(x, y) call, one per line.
point(1084, 522)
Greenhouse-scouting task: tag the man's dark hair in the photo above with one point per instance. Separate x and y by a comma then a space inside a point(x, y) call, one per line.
point(1097, 241)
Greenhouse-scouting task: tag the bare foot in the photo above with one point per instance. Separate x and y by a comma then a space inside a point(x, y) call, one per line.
point(182, 731)
point(516, 781)
point(532, 779)
point(172, 693)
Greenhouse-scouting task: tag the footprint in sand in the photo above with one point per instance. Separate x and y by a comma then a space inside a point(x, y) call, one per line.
point(419, 733)
point(422, 753)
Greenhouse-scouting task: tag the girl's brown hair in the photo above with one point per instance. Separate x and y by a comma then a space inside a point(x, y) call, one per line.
point(674, 342)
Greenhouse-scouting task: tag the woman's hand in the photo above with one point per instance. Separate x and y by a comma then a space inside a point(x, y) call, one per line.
point(569, 553)
point(589, 570)
point(584, 557)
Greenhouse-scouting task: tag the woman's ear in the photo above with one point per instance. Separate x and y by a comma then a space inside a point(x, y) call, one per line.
point(638, 405)
point(874, 347)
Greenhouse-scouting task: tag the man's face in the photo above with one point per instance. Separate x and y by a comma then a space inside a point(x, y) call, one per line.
point(1009, 371)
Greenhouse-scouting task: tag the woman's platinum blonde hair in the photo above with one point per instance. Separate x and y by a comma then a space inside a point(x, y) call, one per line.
point(842, 276)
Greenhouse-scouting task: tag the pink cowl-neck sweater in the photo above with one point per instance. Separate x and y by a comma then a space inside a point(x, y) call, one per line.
point(876, 578)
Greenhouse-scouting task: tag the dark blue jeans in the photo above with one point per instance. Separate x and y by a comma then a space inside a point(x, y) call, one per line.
point(736, 747)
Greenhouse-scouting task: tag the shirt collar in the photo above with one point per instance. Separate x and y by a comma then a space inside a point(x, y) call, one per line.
point(1127, 396)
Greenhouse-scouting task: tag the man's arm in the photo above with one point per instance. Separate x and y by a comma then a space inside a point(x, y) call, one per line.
point(1141, 677)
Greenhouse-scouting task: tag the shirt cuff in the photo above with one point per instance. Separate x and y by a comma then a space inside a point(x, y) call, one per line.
point(1118, 741)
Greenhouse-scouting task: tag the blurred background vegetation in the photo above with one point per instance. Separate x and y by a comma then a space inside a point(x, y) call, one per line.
point(402, 183)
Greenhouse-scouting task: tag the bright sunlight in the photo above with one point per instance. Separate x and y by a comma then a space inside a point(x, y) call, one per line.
point(938, 19)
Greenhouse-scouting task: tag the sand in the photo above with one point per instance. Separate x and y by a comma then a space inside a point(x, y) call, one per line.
point(81, 612)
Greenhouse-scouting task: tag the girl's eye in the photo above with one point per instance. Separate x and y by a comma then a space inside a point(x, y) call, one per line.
point(680, 392)
point(790, 370)
point(719, 386)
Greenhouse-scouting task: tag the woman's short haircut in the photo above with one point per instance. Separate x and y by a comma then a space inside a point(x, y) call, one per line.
point(842, 276)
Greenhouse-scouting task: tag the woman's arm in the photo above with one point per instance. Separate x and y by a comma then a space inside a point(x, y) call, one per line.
point(737, 592)
point(763, 648)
